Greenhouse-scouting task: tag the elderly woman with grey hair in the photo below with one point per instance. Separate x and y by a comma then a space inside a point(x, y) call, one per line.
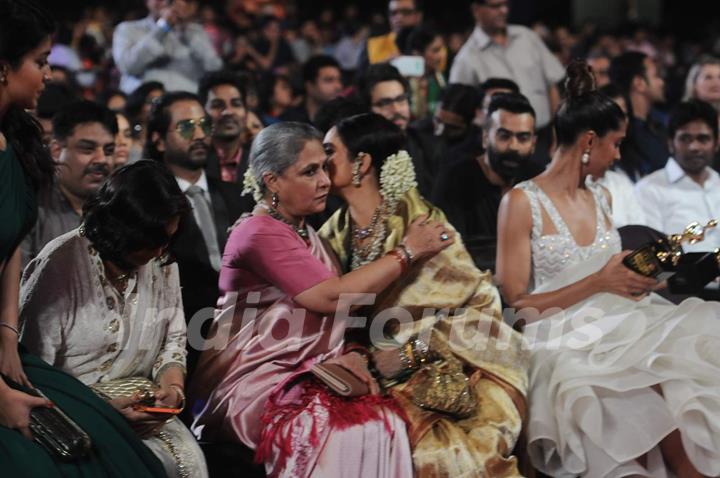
point(280, 290)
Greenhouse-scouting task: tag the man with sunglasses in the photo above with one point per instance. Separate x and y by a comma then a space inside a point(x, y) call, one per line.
point(386, 92)
point(179, 135)
point(499, 50)
point(83, 144)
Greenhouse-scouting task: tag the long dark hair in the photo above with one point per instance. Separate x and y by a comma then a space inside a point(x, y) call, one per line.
point(132, 209)
point(23, 27)
point(584, 108)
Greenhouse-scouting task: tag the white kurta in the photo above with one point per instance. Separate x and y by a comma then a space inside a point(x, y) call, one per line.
point(74, 319)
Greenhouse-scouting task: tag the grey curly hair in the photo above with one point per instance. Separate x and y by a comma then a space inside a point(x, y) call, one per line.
point(277, 147)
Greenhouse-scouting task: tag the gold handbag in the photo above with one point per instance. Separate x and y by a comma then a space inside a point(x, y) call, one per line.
point(127, 388)
point(443, 387)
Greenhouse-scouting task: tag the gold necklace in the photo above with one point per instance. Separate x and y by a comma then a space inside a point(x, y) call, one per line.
point(299, 230)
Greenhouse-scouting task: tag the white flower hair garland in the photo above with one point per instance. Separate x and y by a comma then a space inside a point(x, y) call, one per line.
point(397, 177)
point(250, 185)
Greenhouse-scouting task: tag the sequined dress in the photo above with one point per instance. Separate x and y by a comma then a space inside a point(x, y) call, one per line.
point(593, 410)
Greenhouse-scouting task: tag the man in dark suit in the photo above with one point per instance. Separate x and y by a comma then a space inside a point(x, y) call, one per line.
point(179, 135)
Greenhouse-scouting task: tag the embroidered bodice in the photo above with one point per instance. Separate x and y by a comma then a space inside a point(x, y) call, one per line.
point(553, 253)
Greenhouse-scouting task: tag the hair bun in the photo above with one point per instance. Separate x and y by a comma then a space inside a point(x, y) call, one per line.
point(580, 80)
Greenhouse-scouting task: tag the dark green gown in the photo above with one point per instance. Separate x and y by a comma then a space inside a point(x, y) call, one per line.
point(117, 450)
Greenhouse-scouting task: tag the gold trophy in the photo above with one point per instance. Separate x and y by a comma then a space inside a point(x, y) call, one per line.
point(664, 258)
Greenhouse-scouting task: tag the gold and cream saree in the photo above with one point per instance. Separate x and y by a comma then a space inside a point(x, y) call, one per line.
point(456, 308)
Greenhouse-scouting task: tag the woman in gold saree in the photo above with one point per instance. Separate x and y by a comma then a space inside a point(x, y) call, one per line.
point(457, 370)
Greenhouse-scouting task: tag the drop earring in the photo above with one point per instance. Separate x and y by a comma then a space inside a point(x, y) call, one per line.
point(357, 164)
point(585, 159)
point(275, 200)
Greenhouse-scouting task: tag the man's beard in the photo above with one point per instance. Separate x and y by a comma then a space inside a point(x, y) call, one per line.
point(228, 128)
point(509, 165)
point(695, 164)
point(194, 158)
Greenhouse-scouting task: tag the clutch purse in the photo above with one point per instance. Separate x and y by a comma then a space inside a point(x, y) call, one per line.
point(55, 431)
point(340, 380)
point(662, 259)
point(126, 388)
point(58, 433)
point(443, 387)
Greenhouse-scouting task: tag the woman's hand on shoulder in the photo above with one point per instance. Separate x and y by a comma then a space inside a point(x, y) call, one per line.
point(426, 238)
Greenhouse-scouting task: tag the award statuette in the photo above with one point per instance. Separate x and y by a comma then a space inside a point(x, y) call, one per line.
point(663, 258)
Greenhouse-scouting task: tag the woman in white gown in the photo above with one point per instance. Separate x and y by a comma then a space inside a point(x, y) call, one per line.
point(622, 382)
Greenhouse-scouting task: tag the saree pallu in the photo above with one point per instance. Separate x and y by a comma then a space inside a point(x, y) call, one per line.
point(465, 327)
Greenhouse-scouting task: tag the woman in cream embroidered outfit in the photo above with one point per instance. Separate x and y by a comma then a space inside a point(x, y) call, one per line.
point(100, 304)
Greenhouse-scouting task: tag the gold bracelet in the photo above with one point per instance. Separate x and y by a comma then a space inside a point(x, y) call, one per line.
point(180, 392)
point(409, 351)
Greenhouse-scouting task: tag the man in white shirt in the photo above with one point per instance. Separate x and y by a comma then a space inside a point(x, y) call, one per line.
point(166, 46)
point(686, 189)
point(498, 50)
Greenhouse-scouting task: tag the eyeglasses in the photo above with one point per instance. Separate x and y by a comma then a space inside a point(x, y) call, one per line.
point(186, 128)
point(402, 11)
point(385, 102)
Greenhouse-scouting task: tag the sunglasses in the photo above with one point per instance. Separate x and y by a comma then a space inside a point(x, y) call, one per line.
point(186, 128)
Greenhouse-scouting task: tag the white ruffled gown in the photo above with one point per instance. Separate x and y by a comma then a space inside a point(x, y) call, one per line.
point(592, 409)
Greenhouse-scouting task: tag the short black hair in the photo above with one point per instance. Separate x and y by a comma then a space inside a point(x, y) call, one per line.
point(132, 209)
point(497, 83)
point(332, 112)
point(460, 99)
point(311, 68)
point(420, 38)
point(160, 119)
point(217, 78)
point(82, 112)
point(137, 98)
point(54, 98)
point(109, 94)
point(693, 110)
point(378, 73)
point(624, 68)
point(511, 102)
point(371, 133)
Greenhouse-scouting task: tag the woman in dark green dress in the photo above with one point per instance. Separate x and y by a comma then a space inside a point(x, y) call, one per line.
point(25, 166)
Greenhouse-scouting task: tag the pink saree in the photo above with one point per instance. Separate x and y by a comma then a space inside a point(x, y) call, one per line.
point(252, 383)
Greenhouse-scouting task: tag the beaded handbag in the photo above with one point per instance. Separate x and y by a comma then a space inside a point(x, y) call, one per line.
point(127, 388)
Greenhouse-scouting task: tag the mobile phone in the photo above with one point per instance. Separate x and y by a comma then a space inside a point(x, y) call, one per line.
point(410, 66)
point(161, 410)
